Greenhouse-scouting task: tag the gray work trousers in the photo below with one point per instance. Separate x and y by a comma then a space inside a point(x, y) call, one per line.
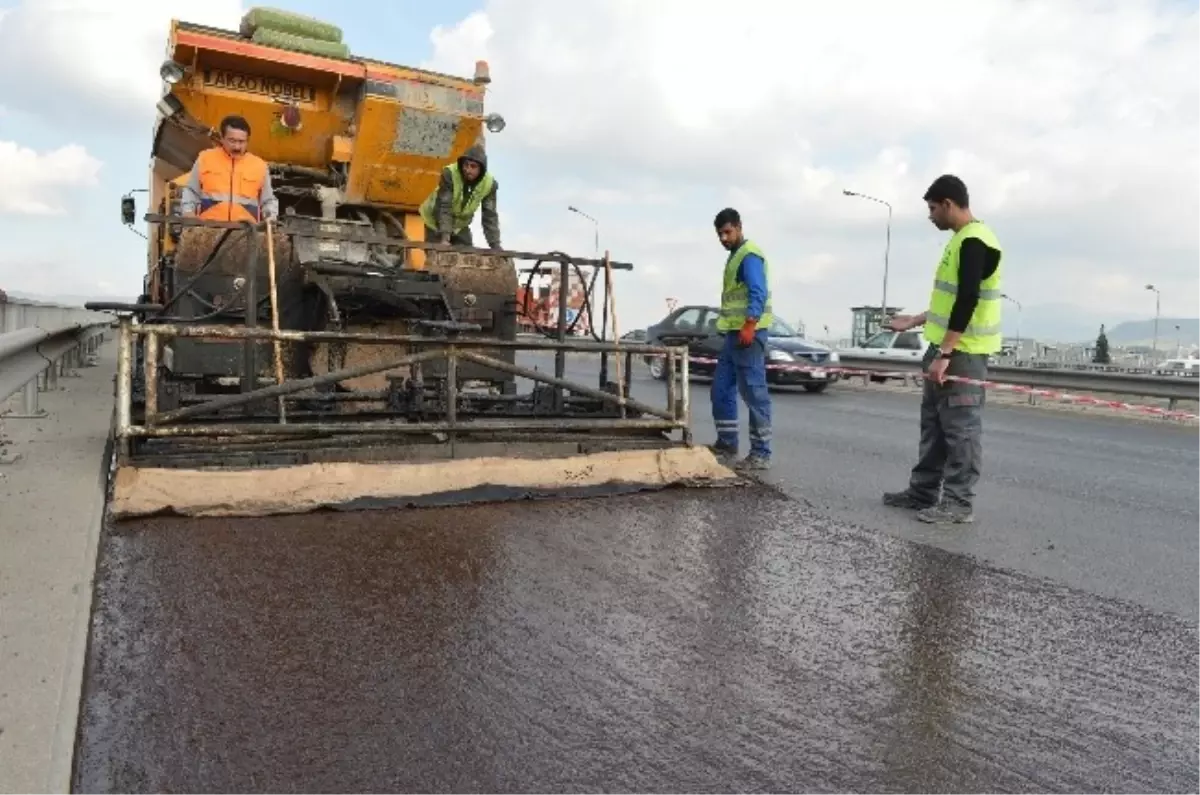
point(951, 447)
point(462, 238)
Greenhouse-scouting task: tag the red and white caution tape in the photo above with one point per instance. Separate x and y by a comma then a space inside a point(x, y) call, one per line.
point(1050, 394)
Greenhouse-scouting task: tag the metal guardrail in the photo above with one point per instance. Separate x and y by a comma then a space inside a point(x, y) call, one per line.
point(846, 347)
point(1146, 386)
point(1157, 372)
point(39, 343)
point(16, 314)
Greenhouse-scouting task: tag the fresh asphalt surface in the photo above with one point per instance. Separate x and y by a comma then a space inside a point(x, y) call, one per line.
point(726, 640)
point(1103, 504)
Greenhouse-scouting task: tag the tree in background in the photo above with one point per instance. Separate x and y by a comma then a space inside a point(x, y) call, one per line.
point(1101, 356)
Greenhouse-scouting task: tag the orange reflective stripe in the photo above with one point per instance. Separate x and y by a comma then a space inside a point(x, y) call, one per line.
point(229, 188)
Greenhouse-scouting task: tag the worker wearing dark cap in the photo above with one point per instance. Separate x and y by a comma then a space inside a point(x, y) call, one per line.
point(962, 326)
point(465, 186)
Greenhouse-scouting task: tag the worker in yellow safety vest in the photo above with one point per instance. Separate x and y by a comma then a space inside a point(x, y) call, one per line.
point(228, 183)
point(465, 187)
point(962, 327)
point(744, 324)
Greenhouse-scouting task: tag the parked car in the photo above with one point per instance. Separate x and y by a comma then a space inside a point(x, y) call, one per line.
point(697, 327)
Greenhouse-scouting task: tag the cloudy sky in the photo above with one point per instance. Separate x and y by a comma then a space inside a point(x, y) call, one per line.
point(1075, 125)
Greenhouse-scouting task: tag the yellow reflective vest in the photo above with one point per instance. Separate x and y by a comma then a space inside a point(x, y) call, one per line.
point(461, 213)
point(735, 296)
point(983, 333)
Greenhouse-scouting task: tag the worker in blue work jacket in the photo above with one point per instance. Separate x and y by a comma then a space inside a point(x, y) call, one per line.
point(742, 367)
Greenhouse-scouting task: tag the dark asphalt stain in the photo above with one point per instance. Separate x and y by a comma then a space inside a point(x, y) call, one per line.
point(698, 641)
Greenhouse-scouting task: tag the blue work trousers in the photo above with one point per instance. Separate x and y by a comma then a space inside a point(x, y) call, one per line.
point(742, 371)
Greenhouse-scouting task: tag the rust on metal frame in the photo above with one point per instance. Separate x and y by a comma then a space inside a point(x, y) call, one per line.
point(156, 424)
point(293, 386)
point(359, 236)
point(384, 427)
point(450, 349)
point(263, 333)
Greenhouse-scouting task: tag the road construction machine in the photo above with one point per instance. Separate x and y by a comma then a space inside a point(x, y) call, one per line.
point(332, 356)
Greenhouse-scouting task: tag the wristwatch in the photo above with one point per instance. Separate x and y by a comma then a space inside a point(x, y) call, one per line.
point(945, 354)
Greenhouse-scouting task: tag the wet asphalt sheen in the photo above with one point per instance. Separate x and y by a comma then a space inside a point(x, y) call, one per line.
point(686, 641)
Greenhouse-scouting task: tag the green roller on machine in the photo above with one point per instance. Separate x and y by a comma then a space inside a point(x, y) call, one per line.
point(260, 18)
point(290, 41)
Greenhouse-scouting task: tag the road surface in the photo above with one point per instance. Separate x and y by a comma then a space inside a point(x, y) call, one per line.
point(682, 642)
point(709, 640)
point(1103, 504)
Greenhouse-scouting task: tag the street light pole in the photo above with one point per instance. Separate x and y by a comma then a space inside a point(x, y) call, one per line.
point(886, 250)
point(607, 286)
point(1019, 308)
point(1157, 312)
point(595, 227)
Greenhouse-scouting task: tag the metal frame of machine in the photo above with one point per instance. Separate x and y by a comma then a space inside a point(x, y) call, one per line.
point(291, 421)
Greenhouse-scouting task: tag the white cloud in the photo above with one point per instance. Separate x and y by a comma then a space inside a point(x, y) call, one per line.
point(95, 61)
point(33, 183)
point(1074, 124)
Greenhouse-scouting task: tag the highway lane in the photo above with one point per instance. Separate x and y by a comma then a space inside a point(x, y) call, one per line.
point(697, 640)
point(1099, 503)
point(684, 641)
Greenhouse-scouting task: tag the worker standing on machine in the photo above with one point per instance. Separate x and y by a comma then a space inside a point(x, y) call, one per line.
point(744, 321)
point(227, 182)
point(465, 186)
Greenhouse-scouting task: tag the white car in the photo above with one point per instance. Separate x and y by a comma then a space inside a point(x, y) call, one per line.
point(908, 346)
point(1179, 366)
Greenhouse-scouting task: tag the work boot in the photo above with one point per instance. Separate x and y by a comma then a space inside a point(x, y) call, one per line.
point(724, 452)
point(753, 462)
point(947, 513)
point(906, 499)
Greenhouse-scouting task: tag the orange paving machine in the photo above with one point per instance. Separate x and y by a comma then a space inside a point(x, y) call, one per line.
point(332, 356)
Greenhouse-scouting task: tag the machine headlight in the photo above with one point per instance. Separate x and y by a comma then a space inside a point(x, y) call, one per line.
point(171, 72)
point(833, 357)
point(495, 122)
point(777, 355)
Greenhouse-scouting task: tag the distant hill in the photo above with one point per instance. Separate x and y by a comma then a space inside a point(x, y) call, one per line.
point(1057, 323)
point(66, 300)
point(1142, 331)
point(1067, 324)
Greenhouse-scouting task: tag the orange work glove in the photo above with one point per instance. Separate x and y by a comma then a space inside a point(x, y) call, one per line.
point(746, 335)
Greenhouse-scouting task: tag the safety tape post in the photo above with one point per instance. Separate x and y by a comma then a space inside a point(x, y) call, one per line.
point(1051, 394)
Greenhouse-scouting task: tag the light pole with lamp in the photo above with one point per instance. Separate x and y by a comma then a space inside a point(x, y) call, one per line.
point(886, 250)
point(1018, 303)
point(1157, 310)
point(595, 227)
point(596, 246)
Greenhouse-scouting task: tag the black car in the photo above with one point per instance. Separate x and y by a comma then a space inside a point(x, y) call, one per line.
point(696, 326)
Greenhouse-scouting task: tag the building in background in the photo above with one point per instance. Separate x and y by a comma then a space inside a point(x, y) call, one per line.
point(866, 321)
